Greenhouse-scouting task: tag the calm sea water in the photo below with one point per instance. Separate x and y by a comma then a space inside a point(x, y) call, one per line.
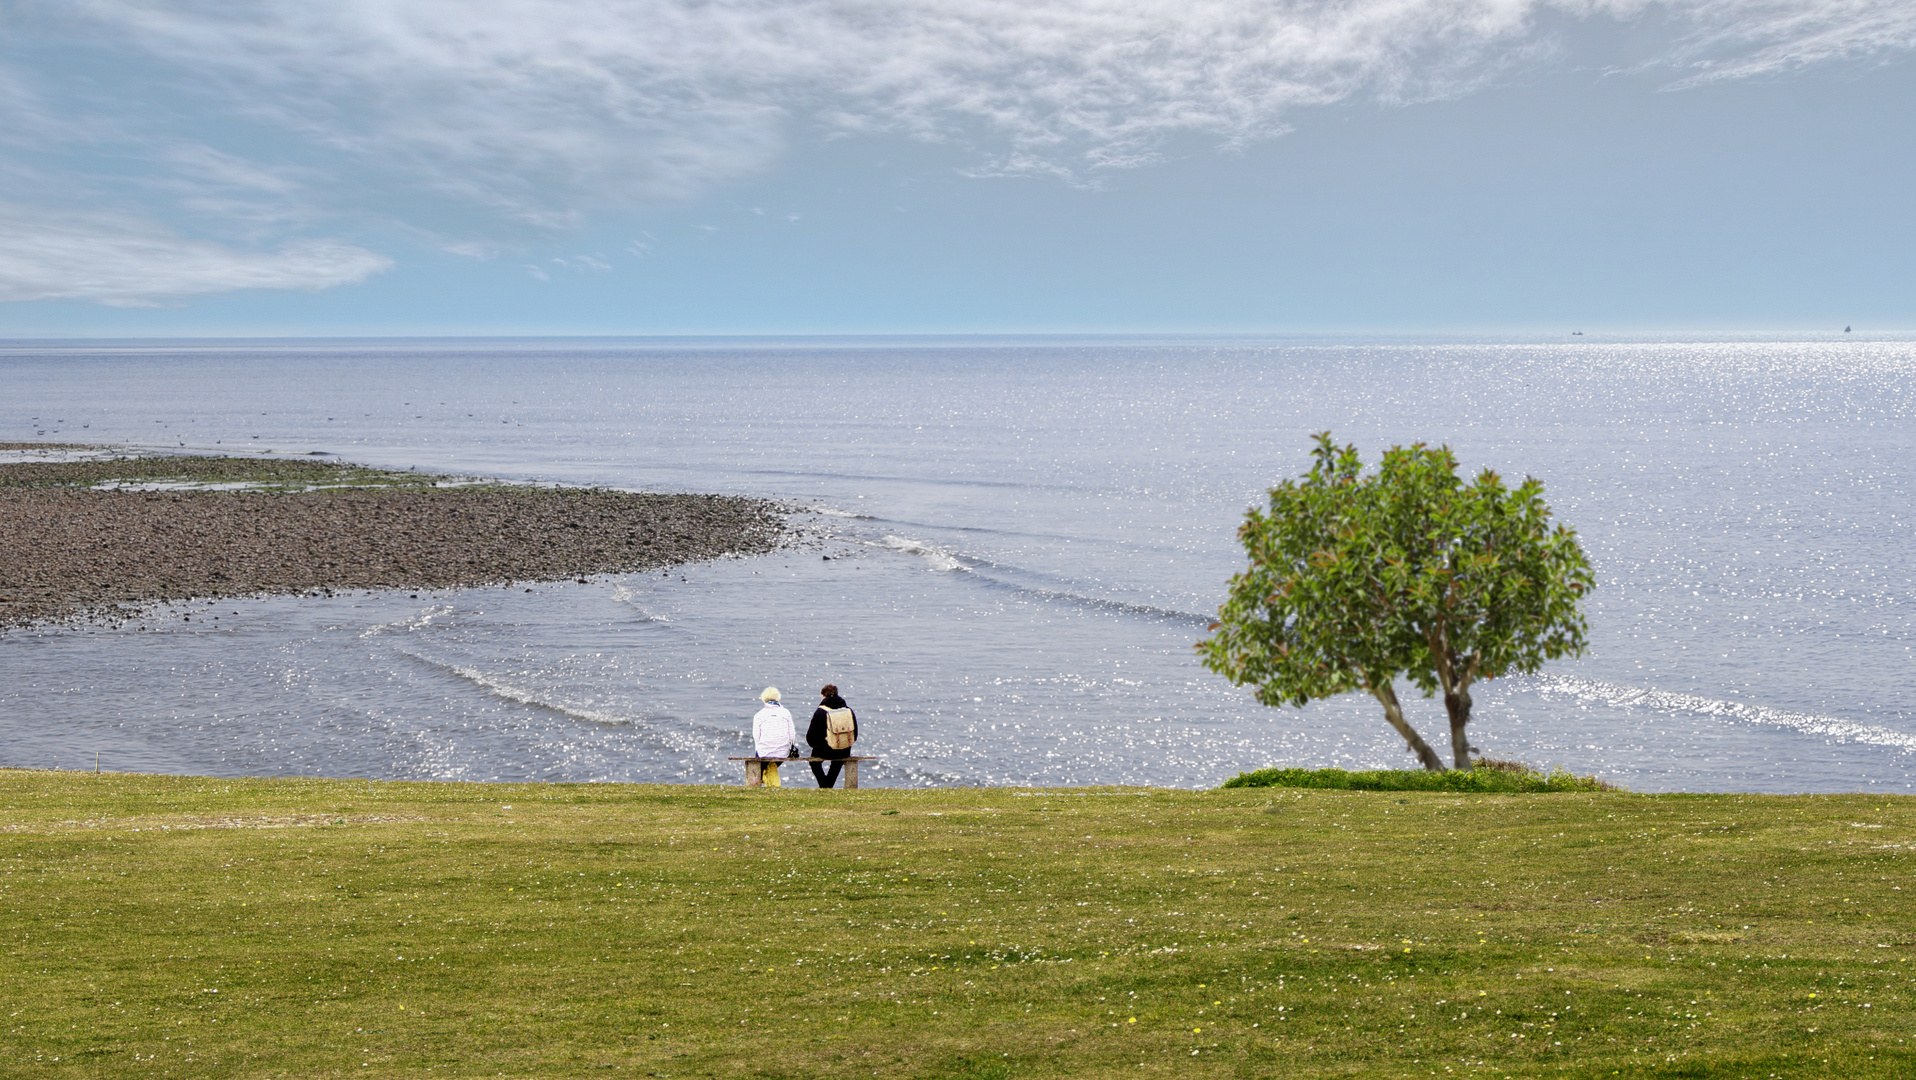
point(1025, 539)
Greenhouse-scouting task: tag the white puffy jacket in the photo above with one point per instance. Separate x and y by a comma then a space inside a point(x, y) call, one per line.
point(772, 731)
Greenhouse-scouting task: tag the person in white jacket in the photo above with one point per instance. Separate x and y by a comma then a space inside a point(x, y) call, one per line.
point(773, 735)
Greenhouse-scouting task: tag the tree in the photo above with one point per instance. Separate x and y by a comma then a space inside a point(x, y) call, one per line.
point(1354, 580)
point(1311, 617)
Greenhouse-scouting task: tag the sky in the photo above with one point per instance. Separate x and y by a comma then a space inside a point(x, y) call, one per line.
point(444, 167)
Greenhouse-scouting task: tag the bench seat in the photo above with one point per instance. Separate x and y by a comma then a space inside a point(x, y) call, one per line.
point(754, 779)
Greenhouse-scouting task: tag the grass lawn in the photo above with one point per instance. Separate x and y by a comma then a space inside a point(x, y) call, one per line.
point(170, 926)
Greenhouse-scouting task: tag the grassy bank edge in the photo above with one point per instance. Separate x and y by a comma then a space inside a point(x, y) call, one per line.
point(1488, 777)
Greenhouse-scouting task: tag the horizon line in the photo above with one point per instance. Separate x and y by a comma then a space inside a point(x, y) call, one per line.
point(1644, 335)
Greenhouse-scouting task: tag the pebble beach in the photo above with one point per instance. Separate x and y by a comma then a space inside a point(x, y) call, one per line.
point(84, 537)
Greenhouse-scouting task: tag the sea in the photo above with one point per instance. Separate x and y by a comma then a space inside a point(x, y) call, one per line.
point(1004, 552)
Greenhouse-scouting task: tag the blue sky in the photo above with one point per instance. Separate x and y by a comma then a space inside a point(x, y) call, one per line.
point(201, 167)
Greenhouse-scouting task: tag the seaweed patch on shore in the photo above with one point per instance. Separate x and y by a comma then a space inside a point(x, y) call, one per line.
point(85, 534)
point(63, 465)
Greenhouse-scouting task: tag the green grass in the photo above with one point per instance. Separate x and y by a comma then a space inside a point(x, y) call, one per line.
point(1506, 777)
point(167, 926)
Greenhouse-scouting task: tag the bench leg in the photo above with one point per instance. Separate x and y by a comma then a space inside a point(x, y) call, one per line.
point(851, 776)
point(753, 777)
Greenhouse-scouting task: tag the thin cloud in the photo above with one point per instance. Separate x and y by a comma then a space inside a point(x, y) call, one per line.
point(126, 264)
point(489, 124)
point(1737, 39)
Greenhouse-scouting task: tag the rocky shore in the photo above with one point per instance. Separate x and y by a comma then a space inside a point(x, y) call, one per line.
point(82, 536)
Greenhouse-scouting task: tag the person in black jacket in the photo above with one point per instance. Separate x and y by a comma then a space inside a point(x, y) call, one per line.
point(815, 735)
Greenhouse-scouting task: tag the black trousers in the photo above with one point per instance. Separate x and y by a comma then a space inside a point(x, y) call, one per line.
point(827, 777)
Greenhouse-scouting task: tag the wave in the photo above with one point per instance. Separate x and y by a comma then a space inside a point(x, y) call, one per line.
point(988, 572)
point(941, 561)
point(1616, 694)
point(415, 622)
point(828, 511)
point(1097, 603)
point(703, 751)
point(687, 739)
point(947, 527)
point(624, 595)
point(508, 692)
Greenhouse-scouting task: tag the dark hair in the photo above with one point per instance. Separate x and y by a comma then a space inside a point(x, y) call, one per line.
point(829, 690)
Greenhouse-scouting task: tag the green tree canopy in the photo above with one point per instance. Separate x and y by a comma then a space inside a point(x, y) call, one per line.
point(1357, 579)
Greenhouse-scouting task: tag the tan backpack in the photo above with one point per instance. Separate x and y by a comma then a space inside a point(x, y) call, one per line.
point(840, 729)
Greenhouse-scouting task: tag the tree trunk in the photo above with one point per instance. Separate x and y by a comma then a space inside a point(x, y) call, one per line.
point(1457, 703)
point(1455, 679)
point(1394, 713)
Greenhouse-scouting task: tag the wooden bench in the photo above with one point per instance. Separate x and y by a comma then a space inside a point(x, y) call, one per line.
point(753, 764)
